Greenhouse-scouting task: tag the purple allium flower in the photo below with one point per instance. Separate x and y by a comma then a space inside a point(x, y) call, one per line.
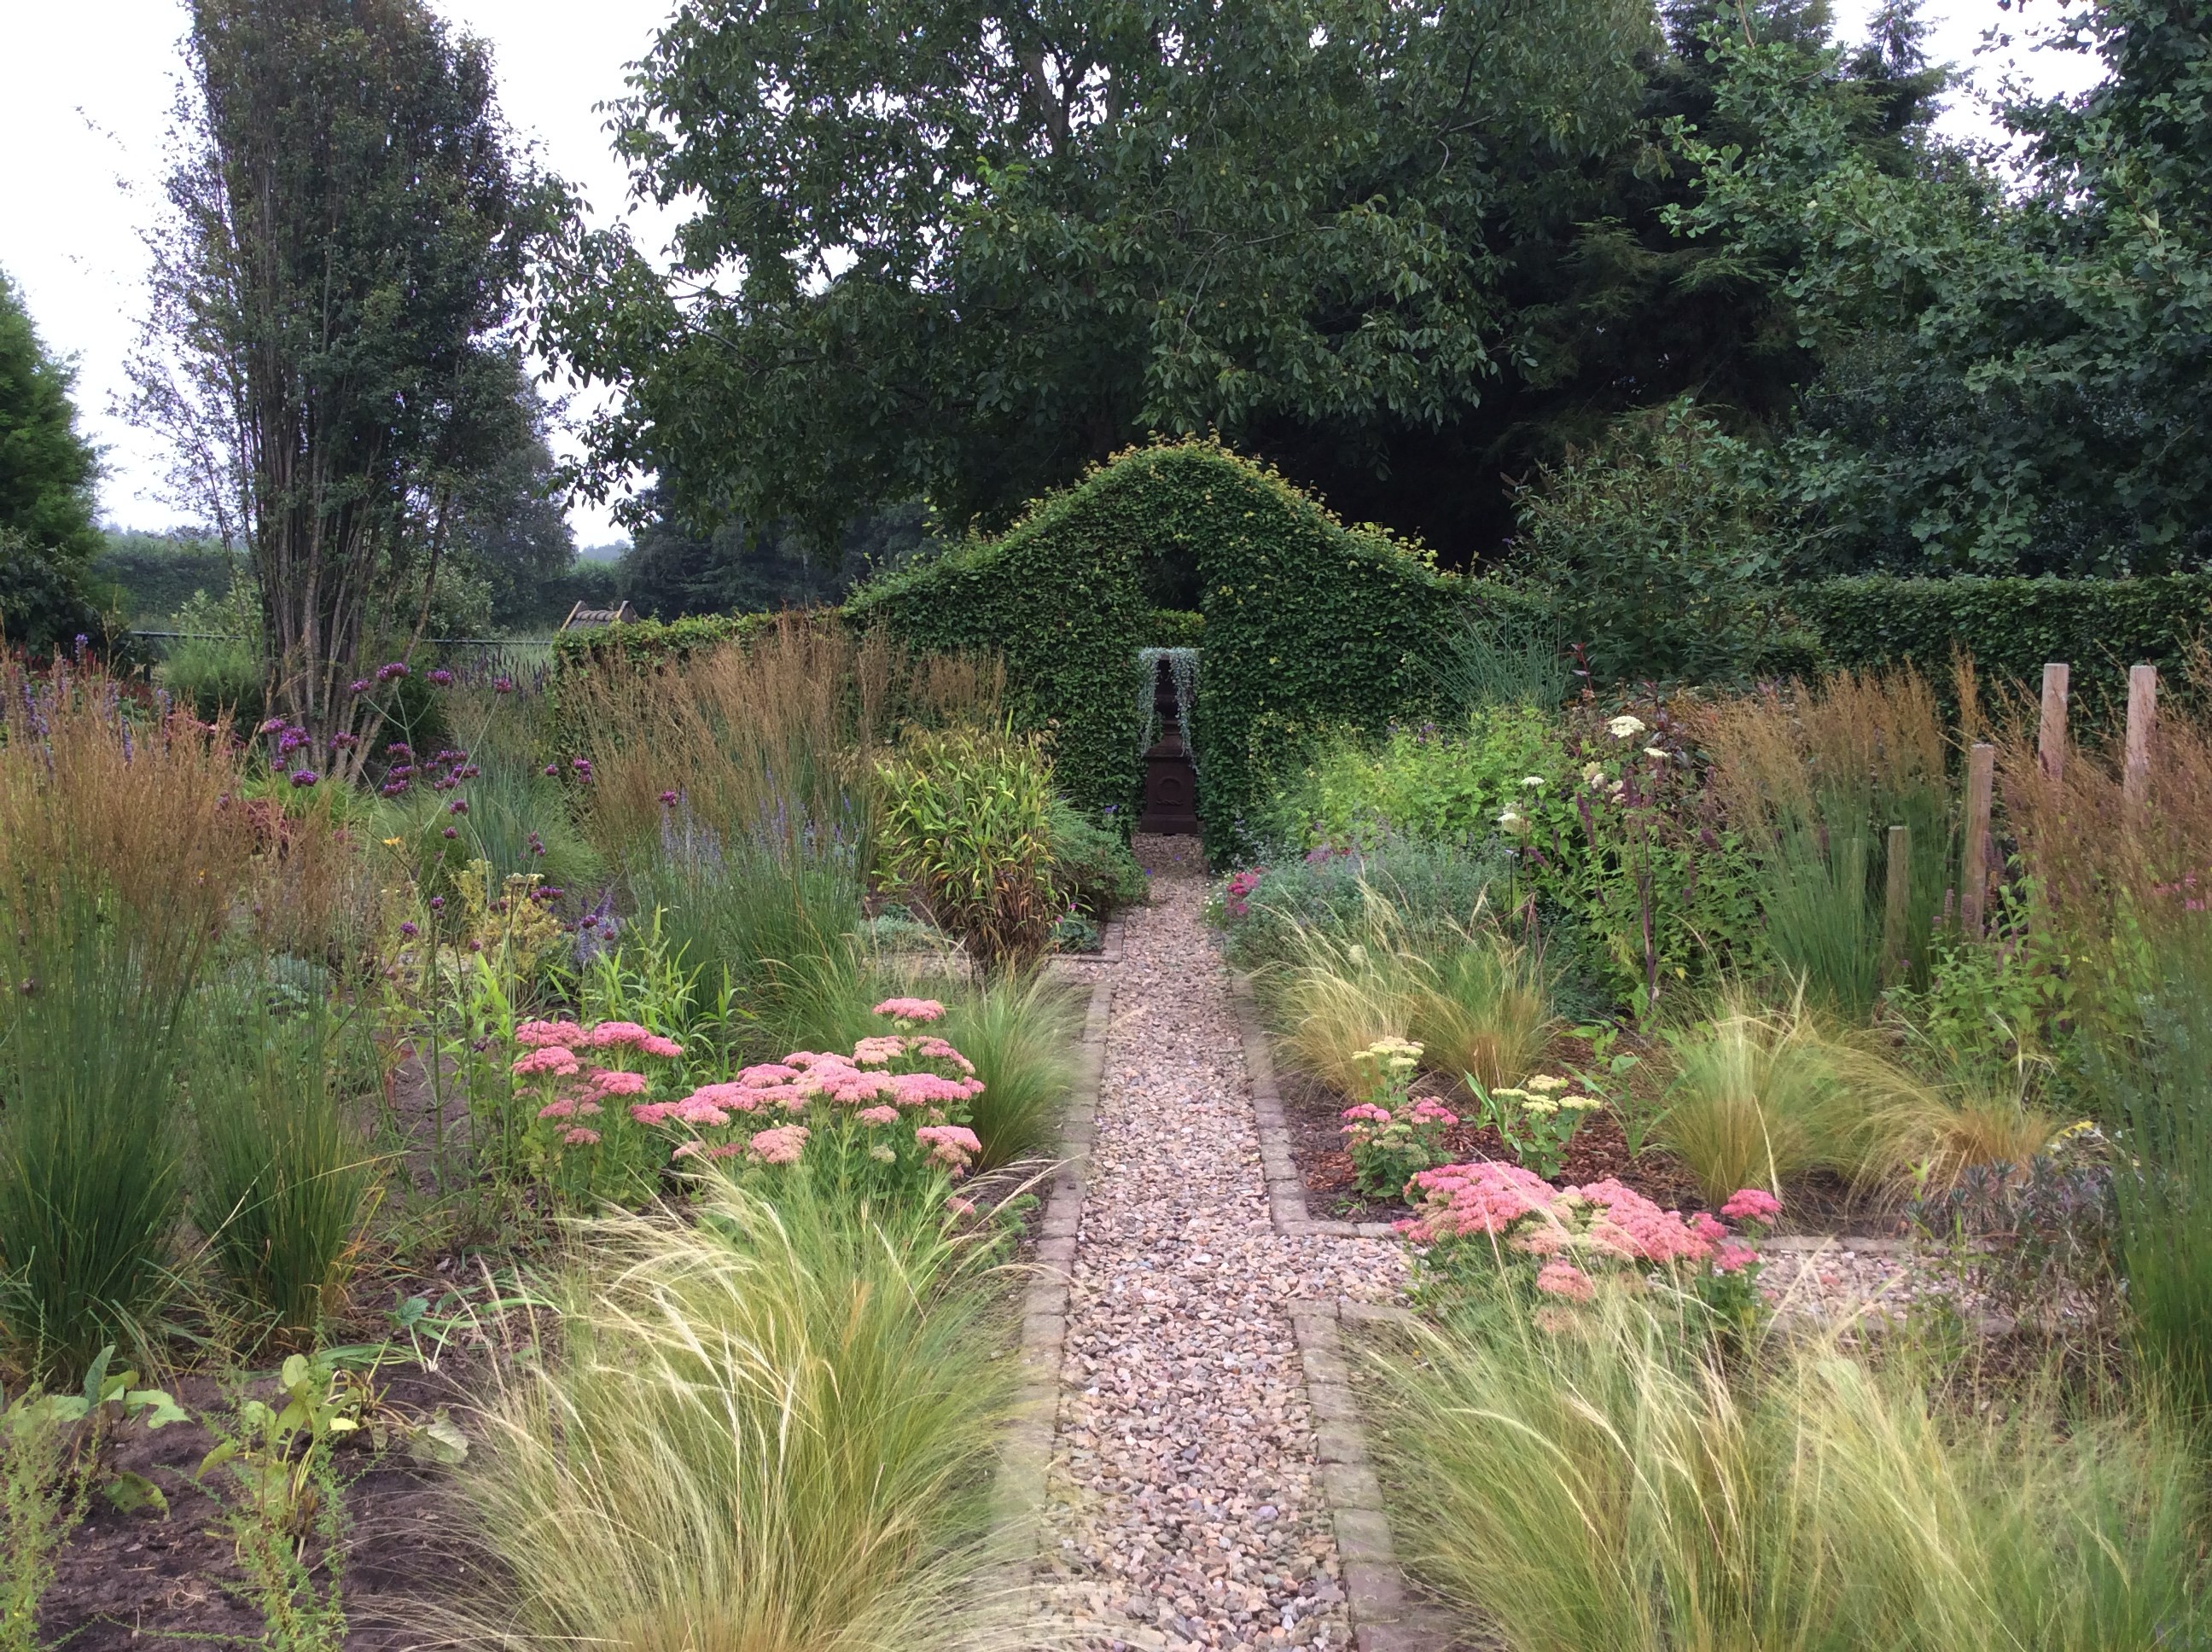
point(668, 798)
point(408, 929)
point(457, 807)
point(441, 676)
point(503, 685)
point(553, 771)
point(359, 685)
point(394, 788)
point(437, 903)
point(274, 726)
point(400, 749)
point(304, 777)
point(450, 832)
point(582, 765)
point(345, 742)
point(386, 672)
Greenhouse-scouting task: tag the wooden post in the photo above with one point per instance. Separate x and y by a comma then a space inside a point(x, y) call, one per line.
point(2142, 725)
point(1973, 885)
point(1895, 946)
point(2050, 738)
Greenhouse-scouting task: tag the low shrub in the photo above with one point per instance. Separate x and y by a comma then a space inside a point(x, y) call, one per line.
point(1264, 909)
point(767, 1427)
point(1092, 865)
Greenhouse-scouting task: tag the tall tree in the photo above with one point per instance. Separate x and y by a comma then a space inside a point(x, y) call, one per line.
point(46, 468)
point(955, 249)
point(332, 295)
point(2018, 370)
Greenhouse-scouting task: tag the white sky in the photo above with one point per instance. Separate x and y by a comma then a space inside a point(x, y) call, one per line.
point(84, 106)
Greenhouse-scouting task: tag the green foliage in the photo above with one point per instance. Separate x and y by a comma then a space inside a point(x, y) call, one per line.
point(966, 830)
point(1179, 223)
point(1442, 786)
point(283, 1501)
point(652, 642)
point(788, 1412)
point(91, 1166)
point(1021, 1033)
point(1093, 866)
point(44, 605)
point(2015, 361)
point(337, 274)
point(1658, 548)
point(283, 1178)
point(1500, 660)
point(1621, 1481)
point(2010, 627)
point(159, 573)
point(1431, 886)
point(2160, 1086)
point(47, 469)
point(1308, 623)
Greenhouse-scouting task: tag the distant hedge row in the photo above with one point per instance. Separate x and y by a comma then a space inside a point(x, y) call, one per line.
point(2013, 627)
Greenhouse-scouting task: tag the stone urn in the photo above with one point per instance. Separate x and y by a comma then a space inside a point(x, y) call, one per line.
point(1170, 782)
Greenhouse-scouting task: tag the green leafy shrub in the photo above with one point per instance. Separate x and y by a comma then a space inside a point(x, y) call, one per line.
point(966, 830)
point(1659, 553)
point(1092, 865)
point(44, 603)
point(1265, 909)
point(1441, 785)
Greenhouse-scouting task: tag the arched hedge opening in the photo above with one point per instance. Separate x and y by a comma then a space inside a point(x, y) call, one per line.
point(1306, 621)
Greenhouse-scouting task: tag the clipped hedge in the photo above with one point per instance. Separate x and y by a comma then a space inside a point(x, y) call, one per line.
point(647, 642)
point(1306, 622)
point(2012, 626)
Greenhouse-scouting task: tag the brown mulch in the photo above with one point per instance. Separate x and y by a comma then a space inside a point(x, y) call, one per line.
point(126, 1577)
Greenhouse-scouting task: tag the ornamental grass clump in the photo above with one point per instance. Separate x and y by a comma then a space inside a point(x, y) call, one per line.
point(1606, 1472)
point(1473, 1001)
point(770, 1428)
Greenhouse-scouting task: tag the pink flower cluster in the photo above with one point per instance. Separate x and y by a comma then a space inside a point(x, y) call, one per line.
point(1600, 1221)
point(952, 1145)
point(1235, 893)
point(911, 1009)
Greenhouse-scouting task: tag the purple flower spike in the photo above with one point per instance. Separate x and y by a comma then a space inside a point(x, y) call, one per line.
point(668, 798)
point(304, 777)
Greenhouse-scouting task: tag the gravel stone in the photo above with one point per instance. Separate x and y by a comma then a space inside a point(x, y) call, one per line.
point(1185, 1507)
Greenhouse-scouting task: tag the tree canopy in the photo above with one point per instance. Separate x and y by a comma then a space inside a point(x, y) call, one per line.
point(46, 468)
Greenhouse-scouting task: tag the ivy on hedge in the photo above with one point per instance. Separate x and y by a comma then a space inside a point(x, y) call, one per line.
point(645, 642)
point(1306, 622)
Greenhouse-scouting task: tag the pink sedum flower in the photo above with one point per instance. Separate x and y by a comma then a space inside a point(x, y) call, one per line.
point(878, 1115)
point(612, 1081)
point(780, 1146)
point(1731, 1257)
point(1559, 1278)
point(578, 1136)
point(1427, 1111)
point(553, 1058)
point(1365, 1112)
point(952, 1145)
point(1752, 1205)
point(563, 1108)
point(878, 1052)
point(536, 1035)
point(911, 1009)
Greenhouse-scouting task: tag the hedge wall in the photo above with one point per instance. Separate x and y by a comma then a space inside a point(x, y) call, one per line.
point(2011, 627)
point(1306, 621)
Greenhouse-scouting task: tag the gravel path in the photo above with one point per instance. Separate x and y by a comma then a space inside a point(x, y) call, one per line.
point(1185, 1507)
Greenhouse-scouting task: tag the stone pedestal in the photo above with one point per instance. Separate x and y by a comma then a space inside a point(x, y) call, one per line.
point(1170, 782)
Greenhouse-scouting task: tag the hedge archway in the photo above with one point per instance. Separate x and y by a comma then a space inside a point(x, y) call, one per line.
point(1307, 621)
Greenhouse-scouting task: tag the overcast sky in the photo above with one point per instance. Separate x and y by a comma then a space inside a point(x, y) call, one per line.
point(85, 98)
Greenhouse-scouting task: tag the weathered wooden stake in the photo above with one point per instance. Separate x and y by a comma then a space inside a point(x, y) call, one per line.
point(1898, 891)
point(2051, 739)
point(1973, 885)
point(2142, 725)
